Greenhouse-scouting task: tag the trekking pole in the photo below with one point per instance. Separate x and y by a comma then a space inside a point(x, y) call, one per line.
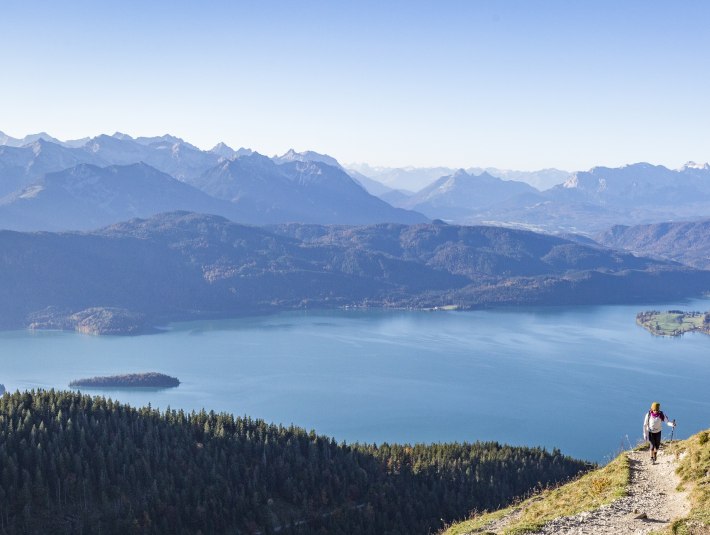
point(672, 430)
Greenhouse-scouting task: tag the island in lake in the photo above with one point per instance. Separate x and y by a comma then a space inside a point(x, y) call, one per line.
point(131, 380)
point(674, 322)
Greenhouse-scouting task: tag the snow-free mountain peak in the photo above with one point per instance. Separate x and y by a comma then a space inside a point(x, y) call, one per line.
point(166, 138)
point(116, 150)
point(41, 136)
point(307, 156)
point(223, 150)
point(9, 141)
point(455, 196)
point(122, 136)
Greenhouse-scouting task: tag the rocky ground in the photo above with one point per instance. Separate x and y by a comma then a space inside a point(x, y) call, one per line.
point(653, 502)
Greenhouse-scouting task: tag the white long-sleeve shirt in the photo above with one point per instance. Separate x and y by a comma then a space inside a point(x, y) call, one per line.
point(654, 424)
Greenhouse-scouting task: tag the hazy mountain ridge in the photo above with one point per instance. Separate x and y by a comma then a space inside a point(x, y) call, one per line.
point(39, 186)
point(595, 200)
point(404, 178)
point(20, 166)
point(640, 185)
point(305, 191)
point(9, 141)
point(587, 202)
point(541, 179)
point(86, 197)
point(167, 153)
point(279, 189)
point(182, 265)
point(456, 196)
point(417, 178)
point(307, 156)
point(684, 242)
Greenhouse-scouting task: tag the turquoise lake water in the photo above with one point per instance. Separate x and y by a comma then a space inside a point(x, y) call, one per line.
point(576, 378)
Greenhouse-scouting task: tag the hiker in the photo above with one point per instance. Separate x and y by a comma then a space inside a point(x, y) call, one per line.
point(652, 424)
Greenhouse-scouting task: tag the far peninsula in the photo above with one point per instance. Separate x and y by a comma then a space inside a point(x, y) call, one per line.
point(131, 380)
point(674, 322)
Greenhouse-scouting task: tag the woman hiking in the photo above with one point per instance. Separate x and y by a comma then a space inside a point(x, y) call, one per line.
point(652, 424)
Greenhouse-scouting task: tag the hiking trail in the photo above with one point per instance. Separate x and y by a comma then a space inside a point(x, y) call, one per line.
point(652, 503)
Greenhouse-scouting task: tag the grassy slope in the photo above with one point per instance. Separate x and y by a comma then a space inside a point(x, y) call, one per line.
point(604, 486)
point(694, 471)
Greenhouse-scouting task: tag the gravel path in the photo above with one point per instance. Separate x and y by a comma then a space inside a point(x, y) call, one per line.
point(652, 496)
point(653, 502)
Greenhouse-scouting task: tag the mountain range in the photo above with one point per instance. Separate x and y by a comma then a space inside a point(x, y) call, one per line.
point(86, 197)
point(586, 202)
point(183, 265)
point(593, 201)
point(9, 141)
point(47, 185)
point(308, 187)
point(303, 190)
point(455, 197)
point(410, 179)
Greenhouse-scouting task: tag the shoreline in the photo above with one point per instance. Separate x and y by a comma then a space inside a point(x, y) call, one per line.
point(161, 324)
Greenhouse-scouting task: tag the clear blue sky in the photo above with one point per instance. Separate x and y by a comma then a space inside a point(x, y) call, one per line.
point(514, 84)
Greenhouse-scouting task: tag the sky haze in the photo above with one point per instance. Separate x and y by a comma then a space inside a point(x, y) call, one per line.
point(511, 84)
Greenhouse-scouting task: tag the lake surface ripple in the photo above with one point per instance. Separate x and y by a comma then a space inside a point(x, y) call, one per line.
point(576, 378)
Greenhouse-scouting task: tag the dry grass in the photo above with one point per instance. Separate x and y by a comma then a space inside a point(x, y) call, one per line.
point(694, 471)
point(604, 486)
point(476, 522)
point(584, 494)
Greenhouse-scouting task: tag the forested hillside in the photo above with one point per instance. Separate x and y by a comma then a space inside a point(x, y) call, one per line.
point(181, 266)
point(75, 464)
point(687, 242)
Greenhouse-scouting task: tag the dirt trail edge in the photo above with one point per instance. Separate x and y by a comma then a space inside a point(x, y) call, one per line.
point(653, 502)
point(652, 496)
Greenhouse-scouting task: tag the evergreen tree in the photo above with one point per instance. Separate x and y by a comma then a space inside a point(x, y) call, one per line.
point(71, 463)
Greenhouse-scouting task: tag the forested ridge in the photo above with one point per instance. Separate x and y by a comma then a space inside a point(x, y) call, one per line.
point(129, 277)
point(71, 463)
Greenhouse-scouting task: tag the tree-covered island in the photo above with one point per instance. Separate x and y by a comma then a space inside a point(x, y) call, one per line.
point(674, 322)
point(131, 380)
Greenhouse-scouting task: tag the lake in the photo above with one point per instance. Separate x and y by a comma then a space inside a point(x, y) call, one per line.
point(576, 378)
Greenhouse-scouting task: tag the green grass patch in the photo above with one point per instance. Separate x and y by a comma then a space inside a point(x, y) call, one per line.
point(587, 493)
point(672, 323)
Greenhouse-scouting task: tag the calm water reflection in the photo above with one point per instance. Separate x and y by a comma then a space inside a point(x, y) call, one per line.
point(575, 378)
